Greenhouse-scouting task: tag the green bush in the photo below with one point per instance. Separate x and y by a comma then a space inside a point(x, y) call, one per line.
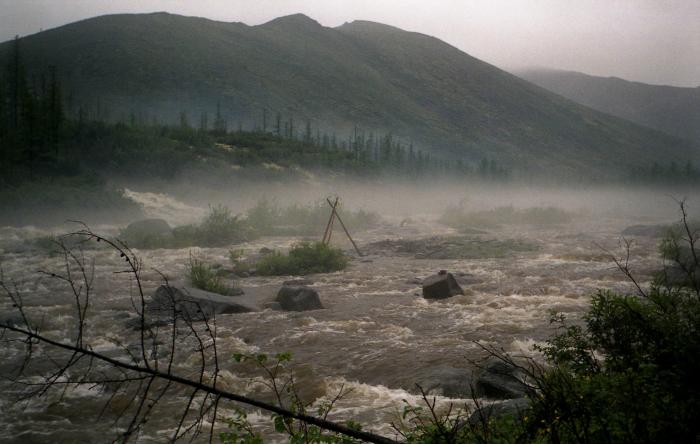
point(218, 229)
point(204, 277)
point(629, 374)
point(303, 258)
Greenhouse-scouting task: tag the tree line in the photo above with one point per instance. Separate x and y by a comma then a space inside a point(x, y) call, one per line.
point(360, 151)
point(31, 118)
point(671, 173)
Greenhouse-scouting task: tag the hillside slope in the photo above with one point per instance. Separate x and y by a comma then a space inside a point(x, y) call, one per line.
point(671, 109)
point(363, 74)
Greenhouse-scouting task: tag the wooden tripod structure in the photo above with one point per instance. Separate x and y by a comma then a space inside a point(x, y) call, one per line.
point(329, 226)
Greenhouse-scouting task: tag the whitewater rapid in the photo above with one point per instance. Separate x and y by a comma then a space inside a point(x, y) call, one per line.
point(377, 336)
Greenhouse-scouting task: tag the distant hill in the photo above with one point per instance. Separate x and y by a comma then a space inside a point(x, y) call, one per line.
point(362, 74)
point(666, 108)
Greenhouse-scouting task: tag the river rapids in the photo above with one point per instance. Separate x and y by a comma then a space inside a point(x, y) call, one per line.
point(377, 336)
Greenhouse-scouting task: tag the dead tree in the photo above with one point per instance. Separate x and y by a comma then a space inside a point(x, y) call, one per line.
point(147, 373)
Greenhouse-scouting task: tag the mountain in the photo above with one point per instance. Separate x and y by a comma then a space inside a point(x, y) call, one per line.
point(671, 109)
point(359, 75)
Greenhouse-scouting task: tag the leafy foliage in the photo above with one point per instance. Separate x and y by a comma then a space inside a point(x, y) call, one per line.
point(204, 277)
point(219, 228)
point(628, 374)
point(303, 258)
point(423, 424)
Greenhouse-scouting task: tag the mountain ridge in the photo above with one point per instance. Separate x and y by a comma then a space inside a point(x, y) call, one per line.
point(671, 109)
point(360, 74)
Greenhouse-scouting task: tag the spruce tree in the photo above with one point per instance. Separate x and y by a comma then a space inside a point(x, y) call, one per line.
point(278, 125)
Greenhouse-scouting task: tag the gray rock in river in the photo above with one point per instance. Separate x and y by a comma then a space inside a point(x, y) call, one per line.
point(13, 319)
point(501, 380)
point(511, 407)
point(272, 305)
point(298, 299)
point(193, 304)
point(447, 381)
point(147, 228)
point(440, 286)
point(647, 230)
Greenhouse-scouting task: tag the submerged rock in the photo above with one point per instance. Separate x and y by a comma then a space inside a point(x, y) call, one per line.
point(14, 319)
point(194, 304)
point(272, 305)
point(447, 381)
point(440, 286)
point(511, 407)
point(147, 228)
point(647, 230)
point(298, 299)
point(501, 380)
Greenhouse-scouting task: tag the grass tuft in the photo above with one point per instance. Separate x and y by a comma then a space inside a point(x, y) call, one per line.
point(303, 258)
point(204, 277)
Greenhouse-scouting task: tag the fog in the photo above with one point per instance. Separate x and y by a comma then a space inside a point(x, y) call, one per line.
point(643, 40)
point(376, 335)
point(401, 198)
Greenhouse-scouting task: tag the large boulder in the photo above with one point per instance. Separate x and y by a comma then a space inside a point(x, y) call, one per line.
point(501, 380)
point(146, 231)
point(446, 381)
point(647, 230)
point(440, 286)
point(13, 319)
point(515, 408)
point(298, 299)
point(194, 304)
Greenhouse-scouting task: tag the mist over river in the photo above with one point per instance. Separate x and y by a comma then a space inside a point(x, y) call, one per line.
point(376, 336)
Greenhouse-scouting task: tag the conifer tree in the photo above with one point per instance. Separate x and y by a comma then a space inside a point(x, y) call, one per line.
point(307, 132)
point(184, 124)
point(278, 125)
point(204, 122)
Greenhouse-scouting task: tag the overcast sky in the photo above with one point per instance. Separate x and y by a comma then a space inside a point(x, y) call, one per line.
point(654, 41)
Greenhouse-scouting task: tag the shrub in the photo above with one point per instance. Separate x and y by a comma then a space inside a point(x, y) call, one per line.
point(303, 258)
point(204, 277)
point(219, 228)
point(629, 373)
point(239, 265)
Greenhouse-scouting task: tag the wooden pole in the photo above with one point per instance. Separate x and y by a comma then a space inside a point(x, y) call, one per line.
point(329, 225)
point(359, 253)
point(334, 214)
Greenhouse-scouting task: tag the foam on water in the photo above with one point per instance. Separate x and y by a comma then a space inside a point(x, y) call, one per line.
point(377, 335)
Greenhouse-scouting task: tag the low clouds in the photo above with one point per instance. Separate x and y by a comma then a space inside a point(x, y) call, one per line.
point(654, 41)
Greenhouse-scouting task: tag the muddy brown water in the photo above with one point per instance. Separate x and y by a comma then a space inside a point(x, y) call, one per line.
point(376, 336)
